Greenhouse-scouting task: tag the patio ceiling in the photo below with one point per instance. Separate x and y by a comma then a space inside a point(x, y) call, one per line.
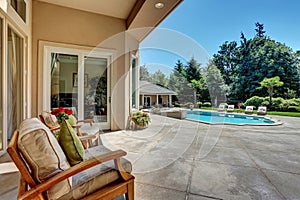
point(136, 13)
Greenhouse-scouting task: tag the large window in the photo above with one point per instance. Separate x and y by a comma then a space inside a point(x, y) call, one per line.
point(134, 80)
point(20, 8)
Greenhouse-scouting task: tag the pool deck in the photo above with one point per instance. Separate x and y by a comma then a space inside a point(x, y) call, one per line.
point(185, 160)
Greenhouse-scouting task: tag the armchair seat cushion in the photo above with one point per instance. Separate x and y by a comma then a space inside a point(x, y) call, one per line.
point(90, 180)
point(86, 128)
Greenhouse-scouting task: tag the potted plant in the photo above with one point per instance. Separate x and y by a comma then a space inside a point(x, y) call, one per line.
point(141, 119)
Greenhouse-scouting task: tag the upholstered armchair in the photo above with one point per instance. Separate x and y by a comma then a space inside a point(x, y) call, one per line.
point(47, 174)
point(86, 130)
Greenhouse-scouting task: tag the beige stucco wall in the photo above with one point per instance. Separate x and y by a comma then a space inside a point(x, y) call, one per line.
point(64, 25)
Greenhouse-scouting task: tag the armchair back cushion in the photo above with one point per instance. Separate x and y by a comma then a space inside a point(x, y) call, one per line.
point(43, 155)
point(50, 120)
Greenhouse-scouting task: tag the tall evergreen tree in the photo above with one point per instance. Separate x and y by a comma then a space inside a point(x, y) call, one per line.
point(193, 75)
point(159, 78)
point(243, 67)
point(144, 73)
point(259, 29)
point(179, 83)
point(192, 70)
point(216, 85)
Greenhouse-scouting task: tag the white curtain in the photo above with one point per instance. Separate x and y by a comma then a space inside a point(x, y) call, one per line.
point(14, 82)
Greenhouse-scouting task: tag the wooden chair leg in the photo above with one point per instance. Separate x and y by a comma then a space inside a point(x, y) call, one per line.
point(85, 144)
point(130, 191)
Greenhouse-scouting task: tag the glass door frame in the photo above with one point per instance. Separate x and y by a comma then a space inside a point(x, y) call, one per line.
point(81, 53)
point(134, 81)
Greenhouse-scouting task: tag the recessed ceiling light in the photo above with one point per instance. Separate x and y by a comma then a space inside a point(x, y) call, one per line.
point(159, 5)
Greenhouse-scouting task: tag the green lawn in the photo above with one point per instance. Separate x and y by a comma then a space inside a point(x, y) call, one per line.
point(291, 114)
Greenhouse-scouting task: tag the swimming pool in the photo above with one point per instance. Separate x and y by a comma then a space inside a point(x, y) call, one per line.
point(227, 118)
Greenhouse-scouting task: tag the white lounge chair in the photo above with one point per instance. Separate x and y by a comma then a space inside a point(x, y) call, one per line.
point(230, 108)
point(221, 107)
point(249, 110)
point(262, 110)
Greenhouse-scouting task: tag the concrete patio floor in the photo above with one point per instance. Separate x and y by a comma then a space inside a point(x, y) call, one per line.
point(184, 160)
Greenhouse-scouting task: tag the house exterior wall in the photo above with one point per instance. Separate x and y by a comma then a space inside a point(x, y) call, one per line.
point(165, 99)
point(70, 26)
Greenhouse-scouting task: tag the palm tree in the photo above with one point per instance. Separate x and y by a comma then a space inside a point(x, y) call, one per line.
point(270, 83)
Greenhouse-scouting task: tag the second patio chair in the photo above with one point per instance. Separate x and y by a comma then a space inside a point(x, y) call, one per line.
point(86, 130)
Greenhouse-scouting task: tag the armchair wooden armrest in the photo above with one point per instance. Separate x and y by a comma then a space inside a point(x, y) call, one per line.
point(55, 129)
point(36, 192)
point(91, 121)
point(77, 126)
point(87, 137)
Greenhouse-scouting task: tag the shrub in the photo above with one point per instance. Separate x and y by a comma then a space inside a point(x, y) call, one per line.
point(293, 102)
point(188, 104)
point(206, 104)
point(265, 103)
point(255, 101)
point(294, 109)
point(297, 101)
point(177, 104)
point(278, 103)
point(199, 104)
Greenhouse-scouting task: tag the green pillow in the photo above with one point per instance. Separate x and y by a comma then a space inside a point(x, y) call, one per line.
point(70, 143)
point(72, 120)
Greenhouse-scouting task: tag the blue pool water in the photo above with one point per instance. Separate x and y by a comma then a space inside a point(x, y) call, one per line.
point(227, 118)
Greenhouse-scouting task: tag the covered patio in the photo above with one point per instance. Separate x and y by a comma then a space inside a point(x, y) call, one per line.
point(179, 159)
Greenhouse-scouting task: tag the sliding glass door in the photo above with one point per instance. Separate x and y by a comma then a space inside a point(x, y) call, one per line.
point(80, 81)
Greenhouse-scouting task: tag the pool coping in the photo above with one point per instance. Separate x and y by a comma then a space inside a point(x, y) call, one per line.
point(277, 122)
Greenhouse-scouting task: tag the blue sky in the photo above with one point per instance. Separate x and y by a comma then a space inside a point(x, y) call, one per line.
point(210, 23)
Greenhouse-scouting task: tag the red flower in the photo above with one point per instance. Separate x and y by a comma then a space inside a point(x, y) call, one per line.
point(68, 111)
point(54, 112)
point(61, 110)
